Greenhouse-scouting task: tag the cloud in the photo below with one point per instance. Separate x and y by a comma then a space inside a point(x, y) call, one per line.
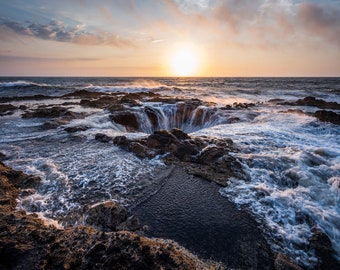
point(274, 24)
point(58, 31)
point(321, 21)
point(8, 58)
point(189, 6)
point(237, 14)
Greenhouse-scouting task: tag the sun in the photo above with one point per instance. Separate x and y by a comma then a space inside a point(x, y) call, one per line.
point(184, 60)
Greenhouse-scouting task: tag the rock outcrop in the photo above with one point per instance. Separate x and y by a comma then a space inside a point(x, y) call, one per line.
point(322, 115)
point(313, 102)
point(7, 109)
point(27, 243)
point(328, 116)
point(106, 215)
point(201, 156)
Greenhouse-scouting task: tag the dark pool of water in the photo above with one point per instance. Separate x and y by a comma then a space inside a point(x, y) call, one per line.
point(190, 211)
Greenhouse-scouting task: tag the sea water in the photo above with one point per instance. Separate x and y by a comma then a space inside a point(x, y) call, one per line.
point(291, 158)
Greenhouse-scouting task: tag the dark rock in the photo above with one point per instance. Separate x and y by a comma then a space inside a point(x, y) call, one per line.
point(84, 94)
point(161, 139)
point(180, 134)
point(127, 99)
point(8, 192)
point(185, 110)
point(2, 156)
point(233, 119)
point(6, 109)
point(152, 115)
point(221, 142)
point(184, 150)
point(55, 123)
point(132, 223)
point(323, 250)
point(115, 108)
point(103, 138)
point(121, 141)
point(47, 112)
point(26, 243)
point(296, 111)
point(102, 102)
point(205, 157)
point(34, 97)
point(328, 116)
point(138, 149)
point(127, 119)
point(209, 154)
point(75, 129)
point(19, 179)
point(282, 262)
point(243, 105)
point(312, 101)
point(106, 215)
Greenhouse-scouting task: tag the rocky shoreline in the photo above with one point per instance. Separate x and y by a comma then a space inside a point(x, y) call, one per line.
point(112, 239)
point(27, 243)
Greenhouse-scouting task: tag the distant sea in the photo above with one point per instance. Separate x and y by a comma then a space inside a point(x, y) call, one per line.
point(292, 158)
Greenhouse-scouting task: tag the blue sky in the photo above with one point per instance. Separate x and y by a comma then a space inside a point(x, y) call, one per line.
point(139, 37)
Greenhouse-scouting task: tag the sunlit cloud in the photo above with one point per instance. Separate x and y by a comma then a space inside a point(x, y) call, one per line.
point(320, 21)
point(58, 31)
point(240, 30)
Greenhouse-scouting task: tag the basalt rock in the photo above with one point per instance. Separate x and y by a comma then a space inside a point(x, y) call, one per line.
point(125, 118)
point(27, 243)
point(76, 129)
point(162, 139)
point(2, 156)
point(323, 249)
point(328, 116)
point(282, 262)
point(102, 102)
point(84, 94)
point(103, 138)
point(180, 134)
point(312, 101)
point(19, 179)
point(47, 112)
point(7, 109)
point(34, 97)
point(106, 215)
point(201, 156)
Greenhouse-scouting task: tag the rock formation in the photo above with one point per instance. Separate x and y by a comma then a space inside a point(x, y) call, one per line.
point(27, 243)
point(200, 156)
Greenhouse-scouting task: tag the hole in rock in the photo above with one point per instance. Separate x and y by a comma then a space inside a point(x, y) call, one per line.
point(189, 117)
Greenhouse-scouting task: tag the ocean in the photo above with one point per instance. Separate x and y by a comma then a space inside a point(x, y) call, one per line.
point(292, 158)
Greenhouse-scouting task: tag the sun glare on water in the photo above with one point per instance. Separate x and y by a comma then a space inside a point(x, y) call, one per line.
point(184, 61)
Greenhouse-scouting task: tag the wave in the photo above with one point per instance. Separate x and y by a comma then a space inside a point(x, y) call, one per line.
point(21, 83)
point(138, 86)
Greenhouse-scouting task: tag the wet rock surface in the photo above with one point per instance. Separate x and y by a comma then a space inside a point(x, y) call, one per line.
point(201, 156)
point(48, 112)
point(7, 109)
point(27, 243)
point(314, 102)
point(323, 249)
point(322, 115)
point(193, 213)
point(127, 110)
point(106, 215)
point(328, 116)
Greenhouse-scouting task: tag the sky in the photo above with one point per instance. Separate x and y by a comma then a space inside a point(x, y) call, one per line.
point(169, 38)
